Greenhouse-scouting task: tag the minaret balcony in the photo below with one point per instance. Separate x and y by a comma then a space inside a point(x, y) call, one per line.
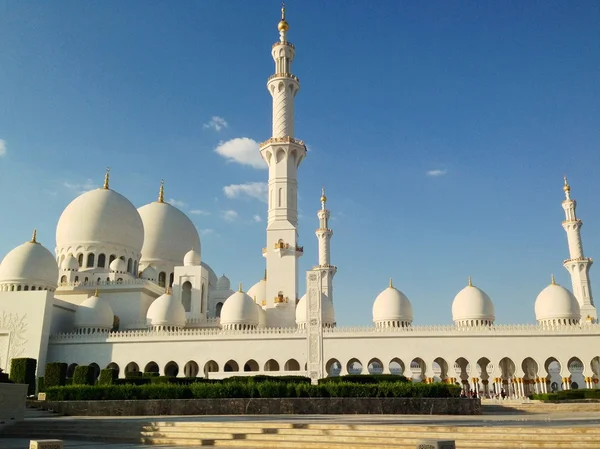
point(579, 259)
point(280, 299)
point(286, 139)
point(284, 249)
point(288, 43)
point(284, 75)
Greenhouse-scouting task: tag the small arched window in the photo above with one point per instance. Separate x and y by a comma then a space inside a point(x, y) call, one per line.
point(76, 278)
point(130, 265)
point(135, 268)
point(80, 260)
point(171, 277)
point(162, 279)
point(111, 258)
point(218, 309)
point(101, 261)
point(186, 296)
point(90, 260)
point(63, 279)
point(26, 288)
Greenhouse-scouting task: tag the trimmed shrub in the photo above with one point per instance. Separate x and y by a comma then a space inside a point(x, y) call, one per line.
point(56, 374)
point(365, 378)
point(263, 378)
point(41, 385)
point(132, 381)
point(150, 374)
point(4, 379)
point(84, 375)
point(107, 376)
point(133, 375)
point(568, 395)
point(22, 371)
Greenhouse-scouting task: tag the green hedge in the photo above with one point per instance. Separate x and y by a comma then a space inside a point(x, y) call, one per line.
point(84, 375)
point(265, 389)
point(150, 374)
point(132, 381)
point(264, 378)
point(56, 374)
point(22, 371)
point(365, 378)
point(41, 385)
point(568, 395)
point(107, 376)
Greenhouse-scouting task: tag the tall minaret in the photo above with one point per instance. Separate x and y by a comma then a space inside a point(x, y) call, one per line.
point(283, 154)
point(324, 234)
point(577, 264)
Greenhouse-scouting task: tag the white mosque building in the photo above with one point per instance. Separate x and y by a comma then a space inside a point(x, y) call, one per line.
point(127, 288)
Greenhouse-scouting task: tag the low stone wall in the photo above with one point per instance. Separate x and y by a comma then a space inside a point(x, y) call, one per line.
point(267, 406)
point(12, 403)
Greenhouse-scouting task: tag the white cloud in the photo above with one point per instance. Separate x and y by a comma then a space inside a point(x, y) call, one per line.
point(436, 172)
point(199, 212)
point(176, 203)
point(256, 218)
point(79, 188)
point(241, 150)
point(229, 215)
point(217, 123)
point(2, 147)
point(256, 190)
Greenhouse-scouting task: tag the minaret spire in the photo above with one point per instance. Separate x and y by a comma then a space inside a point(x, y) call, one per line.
point(283, 154)
point(34, 236)
point(161, 192)
point(577, 264)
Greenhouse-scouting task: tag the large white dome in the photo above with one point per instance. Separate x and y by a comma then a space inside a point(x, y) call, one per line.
point(166, 312)
point(31, 265)
point(392, 308)
point(557, 305)
point(327, 312)
point(168, 234)
point(239, 312)
point(100, 218)
point(94, 313)
point(472, 304)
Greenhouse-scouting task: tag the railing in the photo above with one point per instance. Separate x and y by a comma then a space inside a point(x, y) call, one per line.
point(286, 139)
point(289, 44)
point(283, 75)
point(104, 282)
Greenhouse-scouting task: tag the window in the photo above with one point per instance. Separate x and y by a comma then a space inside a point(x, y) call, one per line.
point(90, 260)
point(80, 260)
point(102, 261)
point(130, 265)
point(162, 279)
point(171, 277)
point(111, 258)
point(218, 309)
point(186, 296)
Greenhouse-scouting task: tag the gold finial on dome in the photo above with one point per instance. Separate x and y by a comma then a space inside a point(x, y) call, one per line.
point(566, 186)
point(240, 288)
point(161, 192)
point(470, 282)
point(553, 280)
point(96, 293)
point(323, 197)
point(283, 25)
point(168, 291)
point(391, 285)
point(34, 236)
point(106, 177)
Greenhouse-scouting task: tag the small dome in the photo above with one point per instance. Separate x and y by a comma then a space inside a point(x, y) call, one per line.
point(327, 312)
point(168, 234)
point(472, 303)
point(191, 258)
point(555, 304)
point(94, 313)
point(149, 273)
point(70, 263)
point(223, 283)
point(118, 266)
point(392, 306)
point(262, 316)
point(258, 292)
point(30, 264)
point(100, 216)
point(239, 311)
point(166, 312)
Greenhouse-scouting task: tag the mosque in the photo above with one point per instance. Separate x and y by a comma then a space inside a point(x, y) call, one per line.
point(127, 288)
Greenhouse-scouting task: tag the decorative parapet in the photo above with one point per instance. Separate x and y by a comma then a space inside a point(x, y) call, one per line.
point(284, 75)
point(579, 259)
point(451, 330)
point(90, 284)
point(286, 139)
point(203, 322)
point(185, 334)
point(289, 44)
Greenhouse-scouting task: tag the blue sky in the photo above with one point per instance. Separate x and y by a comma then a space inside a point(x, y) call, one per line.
point(499, 99)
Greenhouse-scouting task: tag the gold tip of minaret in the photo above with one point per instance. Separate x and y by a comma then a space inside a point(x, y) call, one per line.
point(470, 282)
point(106, 177)
point(240, 288)
point(161, 191)
point(566, 186)
point(34, 236)
point(168, 291)
point(553, 282)
point(283, 25)
point(391, 284)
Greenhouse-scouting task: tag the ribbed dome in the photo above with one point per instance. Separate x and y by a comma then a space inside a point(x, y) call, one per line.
point(29, 264)
point(327, 312)
point(94, 313)
point(557, 305)
point(472, 304)
point(392, 309)
point(70, 263)
point(239, 312)
point(223, 283)
point(149, 273)
point(118, 266)
point(166, 312)
point(192, 258)
point(258, 292)
point(168, 234)
point(100, 217)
